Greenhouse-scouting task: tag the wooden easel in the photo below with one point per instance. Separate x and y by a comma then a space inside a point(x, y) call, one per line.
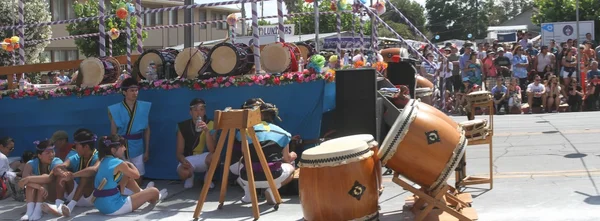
point(228, 122)
point(444, 205)
point(462, 179)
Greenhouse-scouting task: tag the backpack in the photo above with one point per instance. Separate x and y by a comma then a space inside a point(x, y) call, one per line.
point(3, 188)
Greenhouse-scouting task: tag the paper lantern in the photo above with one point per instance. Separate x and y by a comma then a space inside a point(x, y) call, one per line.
point(130, 8)
point(379, 7)
point(309, 1)
point(232, 19)
point(15, 39)
point(114, 33)
point(122, 13)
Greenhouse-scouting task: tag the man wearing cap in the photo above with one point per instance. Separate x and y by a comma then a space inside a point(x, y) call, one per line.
point(503, 65)
point(64, 149)
point(130, 119)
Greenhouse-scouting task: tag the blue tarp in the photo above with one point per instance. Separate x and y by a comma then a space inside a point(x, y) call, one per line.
point(26, 120)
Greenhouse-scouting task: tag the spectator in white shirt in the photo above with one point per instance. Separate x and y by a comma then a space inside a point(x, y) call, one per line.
point(535, 93)
point(7, 145)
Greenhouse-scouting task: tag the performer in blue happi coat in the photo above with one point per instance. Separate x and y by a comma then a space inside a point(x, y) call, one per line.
point(37, 192)
point(129, 119)
point(113, 175)
point(275, 145)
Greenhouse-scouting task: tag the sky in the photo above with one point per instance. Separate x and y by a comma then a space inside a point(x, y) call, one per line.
point(270, 7)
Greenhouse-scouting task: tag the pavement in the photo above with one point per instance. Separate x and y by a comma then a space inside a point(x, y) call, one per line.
point(546, 167)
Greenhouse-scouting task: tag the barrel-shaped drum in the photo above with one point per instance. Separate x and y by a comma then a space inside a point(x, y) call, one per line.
point(231, 59)
point(337, 182)
point(306, 50)
point(421, 149)
point(192, 62)
point(95, 71)
point(164, 60)
point(280, 57)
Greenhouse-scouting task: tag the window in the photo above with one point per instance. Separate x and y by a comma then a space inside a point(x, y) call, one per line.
point(215, 17)
point(202, 18)
point(70, 11)
point(152, 19)
point(58, 56)
point(72, 55)
point(223, 24)
point(159, 18)
point(58, 10)
point(173, 17)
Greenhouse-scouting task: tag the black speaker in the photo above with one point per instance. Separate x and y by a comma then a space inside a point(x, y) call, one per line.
point(403, 73)
point(355, 102)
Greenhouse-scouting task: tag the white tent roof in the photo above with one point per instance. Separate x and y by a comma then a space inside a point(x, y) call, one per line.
point(507, 28)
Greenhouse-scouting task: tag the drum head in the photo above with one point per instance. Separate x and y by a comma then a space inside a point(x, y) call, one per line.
point(335, 154)
point(359, 137)
point(91, 72)
point(223, 59)
point(193, 59)
point(472, 123)
point(303, 51)
point(144, 61)
point(275, 58)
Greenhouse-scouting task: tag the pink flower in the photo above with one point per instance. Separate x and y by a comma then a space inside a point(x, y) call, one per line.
point(166, 87)
point(301, 77)
point(289, 76)
point(175, 86)
point(227, 84)
point(260, 77)
point(210, 80)
point(157, 83)
point(313, 76)
point(263, 82)
point(215, 85)
point(267, 76)
point(306, 80)
point(232, 79)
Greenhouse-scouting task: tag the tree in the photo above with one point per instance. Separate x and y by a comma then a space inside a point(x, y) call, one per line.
point(504, 10)
point(403, 30)
point(35, 11)
point(455, 19)
point(564, 10)
point(89, 46)
point(409, 8)
point(327, 23)
point(293, 6)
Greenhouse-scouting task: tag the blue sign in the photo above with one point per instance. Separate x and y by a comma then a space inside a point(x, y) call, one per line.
point(548, 27)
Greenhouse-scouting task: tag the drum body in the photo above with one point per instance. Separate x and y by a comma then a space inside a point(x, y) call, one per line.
point(306, 50)
point(337, 182)
point(164, 59)
point(280, 57)
point(476, 129)
point(425, 94)
point(479, 97)
point(228, 59)
point(423, 107)
point(421, 149)
point(192, 62)
point(424, 82)
point(96, 71)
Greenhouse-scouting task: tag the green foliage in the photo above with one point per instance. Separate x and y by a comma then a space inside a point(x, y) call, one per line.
point(504, 10)
point(564, 10)
point(409, 8)
point(327, 23)
point(403, 30)
point(90, 46)
point(35, 11)
point(293, 6)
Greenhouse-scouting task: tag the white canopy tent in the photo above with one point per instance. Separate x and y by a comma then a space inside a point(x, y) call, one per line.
point(503, 31)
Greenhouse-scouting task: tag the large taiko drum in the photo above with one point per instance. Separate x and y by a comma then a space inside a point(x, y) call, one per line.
point(423, 82)
point(421, 149)
point(192, 62)
point(306, 50)
point(164, 60)
point(95, 71)
point(337, 182)
point(373, 145)
point(231, 59)
point(280, 57)
point(423, 107)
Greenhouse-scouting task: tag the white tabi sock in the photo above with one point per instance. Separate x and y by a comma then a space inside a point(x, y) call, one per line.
point(127, 192)
point(150, 184)
point(72, 204)
point(189, 182)
point(59, 203)
point(37, 212)
point(30, 207)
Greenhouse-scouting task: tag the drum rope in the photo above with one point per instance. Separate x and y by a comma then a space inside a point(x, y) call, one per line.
point(128, 37)
point(338, 26)
point(255, 38)
point(21, 34)
point(280, 19)
point(110, 46)
point(102, 36)
point(361, 41)
point(140, 43)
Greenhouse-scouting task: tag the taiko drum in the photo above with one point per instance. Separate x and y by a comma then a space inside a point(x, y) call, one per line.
point(421, 149)
point(337, 182)
point(423, 107)
point(373, 145)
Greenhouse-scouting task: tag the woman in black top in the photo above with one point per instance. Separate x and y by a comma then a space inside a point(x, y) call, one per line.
point(574, 95)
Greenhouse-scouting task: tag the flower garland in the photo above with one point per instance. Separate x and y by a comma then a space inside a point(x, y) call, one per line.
point(215, 82)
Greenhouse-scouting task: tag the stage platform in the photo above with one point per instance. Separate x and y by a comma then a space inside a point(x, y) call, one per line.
point(547, 169)
point(301, 107)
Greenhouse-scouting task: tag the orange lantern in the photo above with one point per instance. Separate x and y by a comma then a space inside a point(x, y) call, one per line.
point(122, 13)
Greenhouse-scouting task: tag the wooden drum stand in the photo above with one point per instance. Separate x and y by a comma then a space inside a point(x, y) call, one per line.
point(228, 122)
point(462, 180)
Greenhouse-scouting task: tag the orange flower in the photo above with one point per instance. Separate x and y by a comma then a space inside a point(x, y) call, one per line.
point(359, 64)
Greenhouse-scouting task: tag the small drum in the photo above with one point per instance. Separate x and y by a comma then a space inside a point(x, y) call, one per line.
point(164, 60)
point(231, 59)
point(280, 57)
point(423, 82)
point(306, 50)
point(337, 182)
point(95, 71)
point(192, 62)
point(424, 93)
point(423, 107)
point(421, 149)
point(476, 129)
point(479, 97)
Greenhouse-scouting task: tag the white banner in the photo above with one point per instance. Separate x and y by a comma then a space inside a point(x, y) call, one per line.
point(562, 31)
point(266, 30)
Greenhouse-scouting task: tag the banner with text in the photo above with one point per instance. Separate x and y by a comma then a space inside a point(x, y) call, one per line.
point(266, 30)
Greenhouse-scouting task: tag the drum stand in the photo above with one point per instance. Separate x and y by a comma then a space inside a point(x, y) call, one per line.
point(462, 180)
point(228, 122)
point(444, 205)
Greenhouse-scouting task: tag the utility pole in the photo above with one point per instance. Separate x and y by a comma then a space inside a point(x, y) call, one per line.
point(188, 32)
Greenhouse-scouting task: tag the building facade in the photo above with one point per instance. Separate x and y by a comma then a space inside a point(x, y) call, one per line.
point(66, 50)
